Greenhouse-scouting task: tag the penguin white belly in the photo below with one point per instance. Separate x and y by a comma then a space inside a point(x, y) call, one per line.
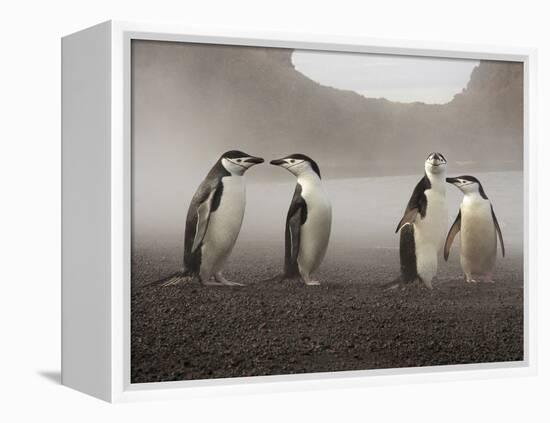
point(429, 235)
point(478, 238)
point(224, 226)
point(315, 232)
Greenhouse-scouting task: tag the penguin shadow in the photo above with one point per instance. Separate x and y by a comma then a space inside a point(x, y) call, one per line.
point(53, 376)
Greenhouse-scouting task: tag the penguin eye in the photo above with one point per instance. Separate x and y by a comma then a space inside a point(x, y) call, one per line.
point(239, 160)
point(292, 160)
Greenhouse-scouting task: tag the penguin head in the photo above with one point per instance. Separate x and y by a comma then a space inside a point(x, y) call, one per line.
point(468, 185)
point(297, 164)
point(236, 162)
point(435, 163)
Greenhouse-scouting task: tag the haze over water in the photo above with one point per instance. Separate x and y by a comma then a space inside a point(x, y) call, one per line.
point(365, 214)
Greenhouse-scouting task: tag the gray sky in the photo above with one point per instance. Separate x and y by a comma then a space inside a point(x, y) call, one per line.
point(396, 78)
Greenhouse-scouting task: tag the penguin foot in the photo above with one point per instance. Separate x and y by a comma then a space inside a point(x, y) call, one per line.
point(419, 284)
point(176, 280)
point(277, 278)
point(469, 279)
point(488, 278)
point(223, 281)
point(310, 282)
point(400, 284)
point(428, 284)
point(294, 278)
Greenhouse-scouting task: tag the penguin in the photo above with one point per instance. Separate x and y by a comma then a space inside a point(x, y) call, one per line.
point(478, 223)
point(308, 221)
point(424, 224)
point(214, 220)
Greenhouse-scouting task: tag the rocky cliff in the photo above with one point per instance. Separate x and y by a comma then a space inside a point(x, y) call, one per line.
point(252, 98)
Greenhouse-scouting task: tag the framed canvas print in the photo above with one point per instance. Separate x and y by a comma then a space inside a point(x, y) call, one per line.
point(244, 213)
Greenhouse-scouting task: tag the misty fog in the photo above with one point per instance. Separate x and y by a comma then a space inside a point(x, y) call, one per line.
point(193, 102)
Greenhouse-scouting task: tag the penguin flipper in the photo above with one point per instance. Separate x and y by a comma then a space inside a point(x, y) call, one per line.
point(294, 223)
point(417, 204)
point(203, 217)
point(497, 227)
point(297, 215)
point(408, 217)
point(455, 228)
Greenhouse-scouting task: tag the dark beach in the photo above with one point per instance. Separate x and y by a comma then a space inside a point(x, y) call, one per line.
point(348, 323)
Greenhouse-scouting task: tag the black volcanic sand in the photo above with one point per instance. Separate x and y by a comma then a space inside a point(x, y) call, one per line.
point(348, 323)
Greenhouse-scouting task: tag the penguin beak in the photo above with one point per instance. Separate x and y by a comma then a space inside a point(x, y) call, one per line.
point(452, 180)
point(277, 162)
point(254, 160)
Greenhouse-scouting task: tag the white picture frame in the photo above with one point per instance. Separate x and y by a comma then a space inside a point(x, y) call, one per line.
point(96, 213)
